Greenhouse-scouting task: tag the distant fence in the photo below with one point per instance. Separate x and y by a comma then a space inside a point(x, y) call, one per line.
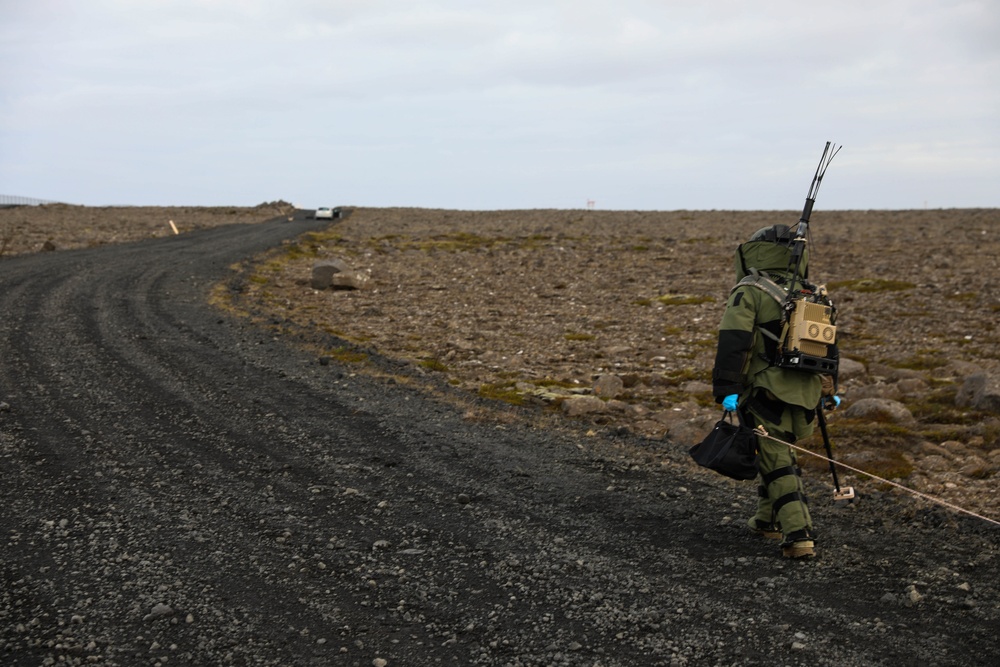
point(12, 200)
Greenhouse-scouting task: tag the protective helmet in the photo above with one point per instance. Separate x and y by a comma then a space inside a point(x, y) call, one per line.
point(769, 249)
point(774, 234)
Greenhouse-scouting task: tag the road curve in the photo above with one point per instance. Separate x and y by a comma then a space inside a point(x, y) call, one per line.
point(180, 487)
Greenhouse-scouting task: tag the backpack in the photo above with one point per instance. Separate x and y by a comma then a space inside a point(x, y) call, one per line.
point(808, 331)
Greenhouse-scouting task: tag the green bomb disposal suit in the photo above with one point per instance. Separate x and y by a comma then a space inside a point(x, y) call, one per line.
point(781, 400)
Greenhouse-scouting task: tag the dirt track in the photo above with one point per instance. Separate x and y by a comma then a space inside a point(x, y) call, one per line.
point(184, 488)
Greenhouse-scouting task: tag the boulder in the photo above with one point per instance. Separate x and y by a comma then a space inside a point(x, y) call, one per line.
point(980, 391)
point(976, 467)
point(631, 380)
point(575, 406)
point(912, 387)
point(956, 368)
point(893, 374)
point(696, 387)
point(324, 270)
point(675, 414)
point(955, 447)
point(934, 463)
point(877, 390)
point(608, 386)
point(849, 369)
point(880, 409)
point(349, 280)
point(692, 431)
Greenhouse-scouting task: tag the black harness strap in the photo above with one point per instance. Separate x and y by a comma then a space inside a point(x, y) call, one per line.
point(792, 497)
point(779, 472)
point(804, 534)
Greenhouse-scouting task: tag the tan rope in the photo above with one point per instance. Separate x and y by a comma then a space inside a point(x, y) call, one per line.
point(760, 431)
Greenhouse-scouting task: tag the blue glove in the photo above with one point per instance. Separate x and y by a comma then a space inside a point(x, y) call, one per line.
point(729, 402)
point(836, 401)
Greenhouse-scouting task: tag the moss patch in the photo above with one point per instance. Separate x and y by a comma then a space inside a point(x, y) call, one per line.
point(434, 365)
point(503, 391)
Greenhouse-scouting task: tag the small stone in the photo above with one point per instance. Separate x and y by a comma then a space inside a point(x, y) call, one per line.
point(379, 662)
point(160, 610)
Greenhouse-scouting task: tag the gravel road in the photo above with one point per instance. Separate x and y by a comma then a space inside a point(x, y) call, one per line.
point(182, 488)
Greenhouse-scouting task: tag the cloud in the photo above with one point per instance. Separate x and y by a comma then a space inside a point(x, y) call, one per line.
point(540, 100)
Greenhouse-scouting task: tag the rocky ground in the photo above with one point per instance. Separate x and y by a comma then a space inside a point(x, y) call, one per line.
point(536, 306)
point(206, 460)
point(550, 308)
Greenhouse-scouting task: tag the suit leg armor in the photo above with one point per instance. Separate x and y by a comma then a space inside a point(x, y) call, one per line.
point(782, 501)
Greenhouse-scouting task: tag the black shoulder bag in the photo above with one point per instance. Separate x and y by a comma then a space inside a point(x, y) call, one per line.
point(730, 449)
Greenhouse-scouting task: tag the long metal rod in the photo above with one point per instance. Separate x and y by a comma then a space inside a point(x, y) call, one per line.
point(821, 419)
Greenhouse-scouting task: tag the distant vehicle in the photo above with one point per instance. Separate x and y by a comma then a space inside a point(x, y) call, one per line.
point(324, 212)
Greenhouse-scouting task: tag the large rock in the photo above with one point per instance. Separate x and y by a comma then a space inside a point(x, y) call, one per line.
point(348, 280)
point(912, 387)
point(576, 406)
point(608, 386)
point(980, 391)
point(880, 409)
point(692, 431)
point(848, 369)
point(877, 390)
point(696, 387)
point(324, 270)
point(956, 368)
point(893, 374)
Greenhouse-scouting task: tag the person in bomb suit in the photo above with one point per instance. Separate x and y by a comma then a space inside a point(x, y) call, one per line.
point(782, 400)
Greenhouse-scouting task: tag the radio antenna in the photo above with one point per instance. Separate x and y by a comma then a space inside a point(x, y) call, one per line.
point(798, 243)
point(829, 152)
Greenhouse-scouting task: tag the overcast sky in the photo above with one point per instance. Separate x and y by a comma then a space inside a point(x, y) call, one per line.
point(466, 104)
